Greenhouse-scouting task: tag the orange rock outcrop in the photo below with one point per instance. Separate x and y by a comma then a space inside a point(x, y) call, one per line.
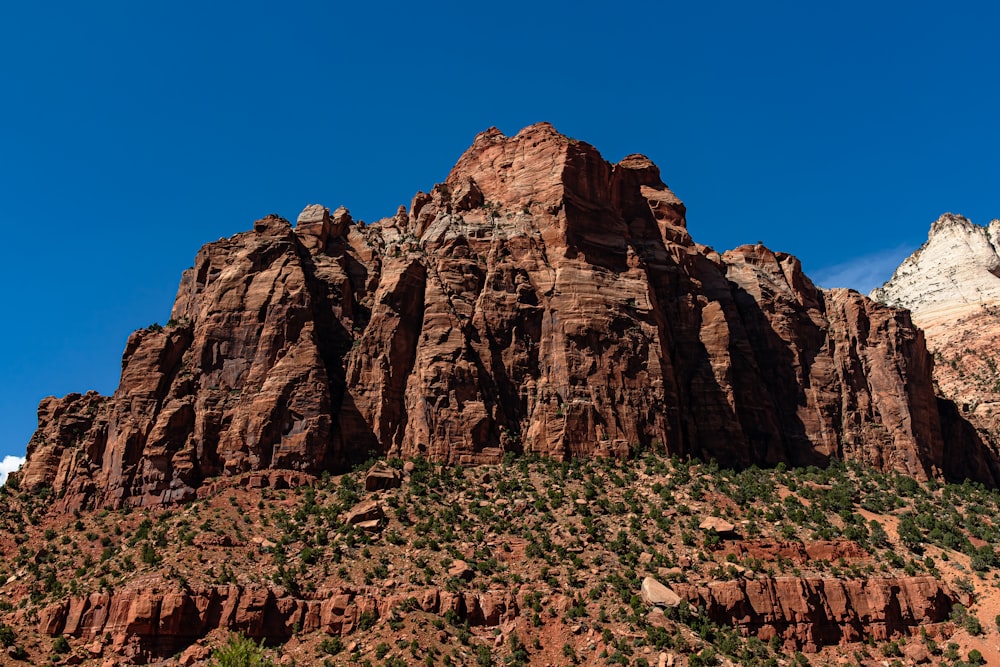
point(810, 612)
point(146, 624)
point(805, 613)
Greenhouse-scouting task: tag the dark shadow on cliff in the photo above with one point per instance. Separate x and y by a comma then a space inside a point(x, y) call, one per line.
point(773, 365)
point(967, 454)
point(334, 343)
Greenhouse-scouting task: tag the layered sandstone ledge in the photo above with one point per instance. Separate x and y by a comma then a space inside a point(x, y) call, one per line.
point(805, 613)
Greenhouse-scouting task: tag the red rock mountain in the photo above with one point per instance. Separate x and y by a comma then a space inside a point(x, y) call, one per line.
point(539, 300)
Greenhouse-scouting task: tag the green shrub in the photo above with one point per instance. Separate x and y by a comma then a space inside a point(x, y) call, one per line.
point(149, 554)
point(61, 645)
point(972, 625)
point(332, 645)
point(241, 652)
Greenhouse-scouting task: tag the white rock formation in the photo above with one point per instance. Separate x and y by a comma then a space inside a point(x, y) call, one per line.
point(952, 288)
point(955, 272)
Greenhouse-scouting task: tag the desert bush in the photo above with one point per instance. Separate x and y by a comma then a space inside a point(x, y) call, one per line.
point(241, 652)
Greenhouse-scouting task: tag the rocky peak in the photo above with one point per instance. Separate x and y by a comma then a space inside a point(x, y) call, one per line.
point(537, 167)
point(590, 202)
point(954, 271)
point(316, 227)
point(950, 219)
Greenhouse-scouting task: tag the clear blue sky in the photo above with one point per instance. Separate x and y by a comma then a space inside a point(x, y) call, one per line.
point(133, 132)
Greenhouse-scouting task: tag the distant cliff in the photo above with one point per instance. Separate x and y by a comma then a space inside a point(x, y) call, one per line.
point(952, 286)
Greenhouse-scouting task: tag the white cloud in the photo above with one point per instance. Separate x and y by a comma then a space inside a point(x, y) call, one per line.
point(9, 465)
point(862, 273)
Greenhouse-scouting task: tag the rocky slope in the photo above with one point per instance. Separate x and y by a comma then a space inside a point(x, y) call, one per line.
point(531, 561)
point(540, 300)
point(951, 285)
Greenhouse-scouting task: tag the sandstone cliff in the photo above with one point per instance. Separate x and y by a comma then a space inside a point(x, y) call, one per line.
point(804, 613)
point(812, 612)
point(539, 300)
point(144, 624)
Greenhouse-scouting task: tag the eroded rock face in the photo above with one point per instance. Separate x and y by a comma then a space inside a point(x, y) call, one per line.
point(809, 613)
point(539, 300)
point(147, 625)
point(806, 613)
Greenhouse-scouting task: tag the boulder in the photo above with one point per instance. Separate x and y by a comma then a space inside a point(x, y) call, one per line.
point(915, 652)
point(461, 569)
point(194, 654)
point(655, 593)
point(367, 510)
point(719, 525)
point(381, 476)
point(370, 526)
